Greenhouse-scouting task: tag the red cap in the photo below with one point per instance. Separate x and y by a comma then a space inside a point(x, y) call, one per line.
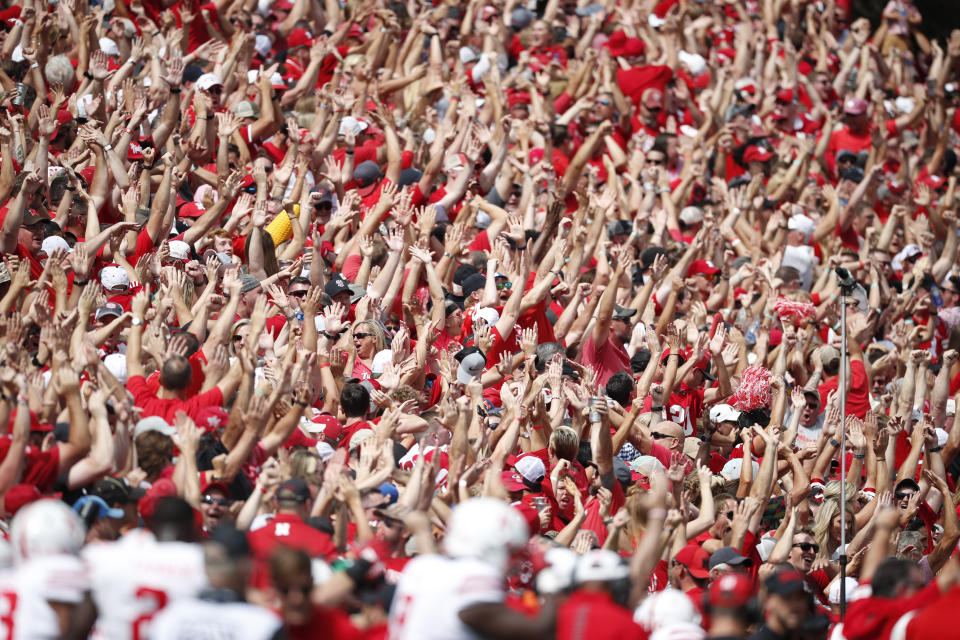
point(730, 591)
point(282, 5)
point(512, 481)
point(855, 106)
point(162, 488)
point(756, 154)
point(87, 174)
point(299, 38)
point(705, 267)
point(331, 427)
point(515, 98)
point(932, 181)
point(214, 417)
point(356, 31)
point(785, 95)
point(19, 496)
point(299, 439)
point(695, 559)
point(35, 424)
point(216, 485)
point(652, 98)
point(190, 210)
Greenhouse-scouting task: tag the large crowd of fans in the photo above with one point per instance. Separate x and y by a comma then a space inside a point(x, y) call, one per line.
point(485, 319)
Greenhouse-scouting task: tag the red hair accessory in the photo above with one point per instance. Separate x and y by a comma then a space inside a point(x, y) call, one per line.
point(754, 389)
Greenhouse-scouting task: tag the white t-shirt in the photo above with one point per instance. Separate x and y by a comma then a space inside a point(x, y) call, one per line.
point(202, 620)
point(27, 591)
point(433, 590)
point(135, 577)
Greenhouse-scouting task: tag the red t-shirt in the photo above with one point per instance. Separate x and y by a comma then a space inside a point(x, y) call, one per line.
point(858, 400)
point(594, 614)
point(167, 408)
point(872, 618)
point(287, 530)
point(41, 468)
point(607, 359)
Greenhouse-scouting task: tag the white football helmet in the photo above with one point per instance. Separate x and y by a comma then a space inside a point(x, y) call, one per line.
point(44, 528)
point(600, 565)
point(557, 576)
point(487, 529)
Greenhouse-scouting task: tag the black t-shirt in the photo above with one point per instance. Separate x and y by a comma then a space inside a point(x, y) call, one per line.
point(240, 488)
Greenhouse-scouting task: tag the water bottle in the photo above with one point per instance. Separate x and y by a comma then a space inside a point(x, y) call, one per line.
point(935, 294)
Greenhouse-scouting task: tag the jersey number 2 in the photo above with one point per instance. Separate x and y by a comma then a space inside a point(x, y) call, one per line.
point(159, 599)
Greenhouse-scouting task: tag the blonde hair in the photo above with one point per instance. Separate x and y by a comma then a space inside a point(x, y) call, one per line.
point(829, 510)
point(377, 330)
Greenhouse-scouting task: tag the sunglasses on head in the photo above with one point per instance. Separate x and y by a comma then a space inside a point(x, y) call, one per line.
point(211, 500)
point(807, 546)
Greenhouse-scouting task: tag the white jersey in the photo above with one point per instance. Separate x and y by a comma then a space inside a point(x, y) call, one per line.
point(197, 619)
point(135, 577)
point(434, 589)
point(27, 590)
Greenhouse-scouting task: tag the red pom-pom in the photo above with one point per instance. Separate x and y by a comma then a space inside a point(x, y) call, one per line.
point(754, 389)
point(794, 309)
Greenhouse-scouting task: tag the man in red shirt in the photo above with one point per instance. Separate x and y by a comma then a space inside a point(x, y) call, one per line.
point(597, 603)
point(289, 529)
point(858, 396)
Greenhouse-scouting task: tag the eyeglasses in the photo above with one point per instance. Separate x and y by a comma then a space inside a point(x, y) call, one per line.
point(903, 496)
point(211, 500)
point(504, 285)
point(807, 546)
point(361, 336)
point(656, 435)
point(302, 293)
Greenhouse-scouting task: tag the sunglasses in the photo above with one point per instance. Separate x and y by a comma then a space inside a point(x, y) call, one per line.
point(660, 161)
point(807, 546)
point(216, 89)
point(300, 294)
point(729, 515)
point(237, 338)
point(361, 336)
point(504, 285)
point(903, 496)
point(211, 500)
point(605, 103)
point(656, 435)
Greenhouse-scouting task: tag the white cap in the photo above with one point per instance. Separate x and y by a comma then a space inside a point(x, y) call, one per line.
point(209, 80)
point(723, 413)
point(52, 243)
point(325, 450)
point(850, 584)
point(557, 576)
point(694, 62)
point(491, 315)
point(802, 223)
point(666, 609)
point(482, 221)
point(379, 360)
point(467, 54)
point(907, 252)
point(691, 215)
point(765, 546)
point(262, 44)
point(942, 436)
point(646, 465)
point(113, 277)
point(731, 470)
point(602, 565)
point(352, 125)
point(153, 423)
point(179, 250)
point(531, 468)
point(109, 47)
point(116, 364)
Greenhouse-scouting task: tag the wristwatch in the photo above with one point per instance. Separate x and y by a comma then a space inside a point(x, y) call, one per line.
point(136, 321)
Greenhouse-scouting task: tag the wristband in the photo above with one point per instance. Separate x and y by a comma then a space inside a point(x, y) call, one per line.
point(523, 248)
point(934, 449)
point(35, 65)
point(349, 152)
point(136, 321)
point(177, 90)
point(323, 365)
point(859, 456)
point(107, 147)
point(22, 398)
point(834, 443)
point(656, 408)
point(88, 75)
point(299, 403)
point(80, 283)
point(262, 490)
